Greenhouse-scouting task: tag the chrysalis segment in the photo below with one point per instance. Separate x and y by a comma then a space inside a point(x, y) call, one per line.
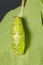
point(18, 36)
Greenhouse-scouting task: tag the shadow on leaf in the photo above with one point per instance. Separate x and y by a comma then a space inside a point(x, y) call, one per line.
point(27, 34)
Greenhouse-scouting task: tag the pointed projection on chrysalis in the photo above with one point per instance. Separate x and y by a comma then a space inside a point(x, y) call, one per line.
point(18, 36)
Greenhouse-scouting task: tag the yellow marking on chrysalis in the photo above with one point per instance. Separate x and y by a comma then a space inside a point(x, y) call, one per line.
point(19, 47)
point(13, 33)
point(14, 47)
point(18, 32)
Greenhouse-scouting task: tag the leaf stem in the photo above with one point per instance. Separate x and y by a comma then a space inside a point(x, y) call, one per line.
point(23, 4)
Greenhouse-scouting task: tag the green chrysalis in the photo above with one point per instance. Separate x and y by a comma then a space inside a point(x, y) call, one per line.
point(18, 36)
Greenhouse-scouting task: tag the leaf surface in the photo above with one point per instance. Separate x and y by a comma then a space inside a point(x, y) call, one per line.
point(34, 36)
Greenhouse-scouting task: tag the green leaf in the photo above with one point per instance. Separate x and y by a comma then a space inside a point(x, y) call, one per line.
point(34, 36)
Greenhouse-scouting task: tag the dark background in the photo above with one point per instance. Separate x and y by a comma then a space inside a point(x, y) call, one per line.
point(6, 5)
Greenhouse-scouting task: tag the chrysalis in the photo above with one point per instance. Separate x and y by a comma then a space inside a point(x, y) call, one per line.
point(18, 36)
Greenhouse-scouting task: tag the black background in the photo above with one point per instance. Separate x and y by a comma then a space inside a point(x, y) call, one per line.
point(7, 5)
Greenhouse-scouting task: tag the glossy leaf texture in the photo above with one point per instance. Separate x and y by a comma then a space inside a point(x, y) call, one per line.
point(32, 23)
